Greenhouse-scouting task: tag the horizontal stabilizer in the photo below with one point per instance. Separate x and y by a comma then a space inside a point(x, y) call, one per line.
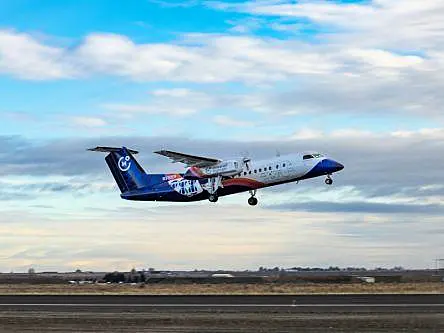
point(111, 150)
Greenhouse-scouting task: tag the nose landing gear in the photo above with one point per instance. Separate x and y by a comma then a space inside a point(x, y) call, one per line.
point(329, 181)
point(252, 201)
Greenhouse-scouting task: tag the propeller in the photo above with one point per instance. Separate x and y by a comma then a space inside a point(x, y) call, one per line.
point(246, 159)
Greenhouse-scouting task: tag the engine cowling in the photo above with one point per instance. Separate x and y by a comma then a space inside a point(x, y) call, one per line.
point(224, 168)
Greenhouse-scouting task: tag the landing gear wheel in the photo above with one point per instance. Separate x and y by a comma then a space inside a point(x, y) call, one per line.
point(252, 201)
point(213, 198)
point(329, 181)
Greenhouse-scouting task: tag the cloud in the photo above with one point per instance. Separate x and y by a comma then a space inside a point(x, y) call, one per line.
point(187, 102)
point(368, 81)
point(379, 22)
point(230, 122)
point(273, 240)
point(37, 186)
point(362, 207)
point(387, 56)
point(381, 159)
point(118, 55)
point(23, 56)
point(19, 116)
point(384, 59)
point(133, 109)
point(174, 102)
point(245, 26)
point(285, 239)
point(412, 93)
point(88, 121)
point(6, 196)
point(335, 74)
point(198, 58)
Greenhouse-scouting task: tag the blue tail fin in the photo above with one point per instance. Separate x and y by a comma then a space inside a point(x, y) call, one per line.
point(127, 172)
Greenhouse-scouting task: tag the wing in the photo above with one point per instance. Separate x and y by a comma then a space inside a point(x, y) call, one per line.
point(189, 160)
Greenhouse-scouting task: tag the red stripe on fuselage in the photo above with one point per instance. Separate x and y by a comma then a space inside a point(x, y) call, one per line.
point(251, 183)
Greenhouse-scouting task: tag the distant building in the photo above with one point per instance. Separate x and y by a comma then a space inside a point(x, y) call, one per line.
point(367, 279)
point(222, 275)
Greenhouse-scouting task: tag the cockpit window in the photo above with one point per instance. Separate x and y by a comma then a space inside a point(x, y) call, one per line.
point(307, 157)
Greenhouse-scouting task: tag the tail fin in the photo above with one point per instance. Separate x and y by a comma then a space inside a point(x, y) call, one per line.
point(127, 172)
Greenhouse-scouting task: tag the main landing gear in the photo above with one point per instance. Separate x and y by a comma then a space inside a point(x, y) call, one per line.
point(212, 186)
point(213, 197)
point(329, 181)
point(252, 201)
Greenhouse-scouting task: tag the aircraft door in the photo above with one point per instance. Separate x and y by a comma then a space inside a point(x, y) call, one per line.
point(286, 169)
point(293, 169)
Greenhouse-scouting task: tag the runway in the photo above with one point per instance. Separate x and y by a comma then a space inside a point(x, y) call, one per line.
point(281, 313)
point(332, 302)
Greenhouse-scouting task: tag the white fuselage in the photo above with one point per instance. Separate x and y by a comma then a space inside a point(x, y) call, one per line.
point(279, 169)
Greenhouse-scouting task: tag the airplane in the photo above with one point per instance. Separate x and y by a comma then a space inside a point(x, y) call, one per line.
point(209, 178)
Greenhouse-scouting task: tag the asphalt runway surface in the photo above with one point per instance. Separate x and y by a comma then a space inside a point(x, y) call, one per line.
point(281, 313)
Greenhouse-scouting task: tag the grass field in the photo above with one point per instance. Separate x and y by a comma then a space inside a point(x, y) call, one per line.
point(222, 289)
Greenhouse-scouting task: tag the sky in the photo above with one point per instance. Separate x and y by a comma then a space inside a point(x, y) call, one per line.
point(360, 81)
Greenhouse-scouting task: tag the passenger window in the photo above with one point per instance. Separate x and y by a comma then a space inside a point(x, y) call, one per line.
point(255, 171)
point(249, 172)
point(260, 170)
point(269, 168)
point(277, 166)
point(283, 165)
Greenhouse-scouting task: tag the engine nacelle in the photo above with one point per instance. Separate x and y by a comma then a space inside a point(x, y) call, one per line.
point(225, 168)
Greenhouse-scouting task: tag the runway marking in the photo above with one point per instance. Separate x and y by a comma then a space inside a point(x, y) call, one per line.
point(226, 305)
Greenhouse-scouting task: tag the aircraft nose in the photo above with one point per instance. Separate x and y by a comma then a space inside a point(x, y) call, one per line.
point(332, 166)
point(339, 166)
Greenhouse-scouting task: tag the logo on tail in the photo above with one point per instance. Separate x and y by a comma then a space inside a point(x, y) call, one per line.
point(124, 163)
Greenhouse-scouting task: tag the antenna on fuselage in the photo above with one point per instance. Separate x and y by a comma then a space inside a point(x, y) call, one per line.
point(278, 153)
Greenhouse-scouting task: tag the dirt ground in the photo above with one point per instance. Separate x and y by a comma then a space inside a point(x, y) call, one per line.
point(222, 289)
